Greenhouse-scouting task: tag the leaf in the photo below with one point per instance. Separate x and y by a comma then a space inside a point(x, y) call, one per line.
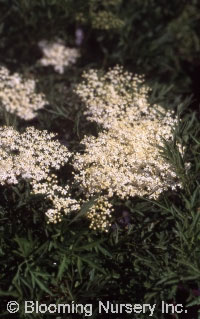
point(85, 208)
point(91, 245)
point(9, 293)
point(24, 245)
point(62, 268)
point(92, 264)
point(104, 251)
point(79, 267)
point(42, 286)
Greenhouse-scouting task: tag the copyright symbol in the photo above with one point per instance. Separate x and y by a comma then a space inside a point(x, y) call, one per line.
point(12, 306)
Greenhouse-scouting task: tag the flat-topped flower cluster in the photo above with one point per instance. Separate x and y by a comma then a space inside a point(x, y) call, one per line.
point(112, 96)
point(124, 160)
point(17, 95)
point(31, 156)
point(57, 55)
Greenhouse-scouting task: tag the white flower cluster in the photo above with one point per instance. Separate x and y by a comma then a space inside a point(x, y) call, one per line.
point(112, 96)
point(59, 196)
point(124, 159)
point(57, 55)
point(31, 155)
point(100, 214)
point(17, 95)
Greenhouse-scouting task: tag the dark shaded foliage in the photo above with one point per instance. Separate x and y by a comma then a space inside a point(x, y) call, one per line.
point(153, 255)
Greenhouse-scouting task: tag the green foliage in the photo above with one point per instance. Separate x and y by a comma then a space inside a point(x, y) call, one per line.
point(144, 261)
point(158, 38)
point(156, 254)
